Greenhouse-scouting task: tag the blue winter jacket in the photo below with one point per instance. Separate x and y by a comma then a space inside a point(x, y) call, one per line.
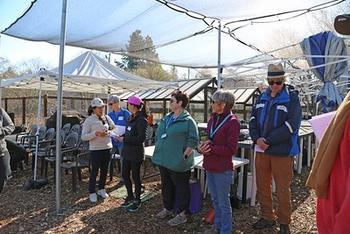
point(283, 116)
point(119, 118)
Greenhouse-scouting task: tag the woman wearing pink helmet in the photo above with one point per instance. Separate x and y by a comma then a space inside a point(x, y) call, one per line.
point(133, 151)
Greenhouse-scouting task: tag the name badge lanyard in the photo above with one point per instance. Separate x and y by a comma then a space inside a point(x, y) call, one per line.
point(170, 121)
point(213, 131)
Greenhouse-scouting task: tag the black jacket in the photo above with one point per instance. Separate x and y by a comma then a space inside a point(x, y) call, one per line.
point(135, 135)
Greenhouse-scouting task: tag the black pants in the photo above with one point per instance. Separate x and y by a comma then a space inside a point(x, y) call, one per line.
point(5, 169)
point(17, 154)
point(134, 167)
point(99, 161)
point(175, 184)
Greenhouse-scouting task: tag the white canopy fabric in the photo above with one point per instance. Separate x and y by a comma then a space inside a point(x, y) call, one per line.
point(86, 73)
point(179, 38)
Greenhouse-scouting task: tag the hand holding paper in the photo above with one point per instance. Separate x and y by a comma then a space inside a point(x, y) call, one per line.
point(118, 131)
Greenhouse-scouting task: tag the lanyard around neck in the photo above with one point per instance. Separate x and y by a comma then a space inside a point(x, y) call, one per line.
point(171, 120)
point(214, 131)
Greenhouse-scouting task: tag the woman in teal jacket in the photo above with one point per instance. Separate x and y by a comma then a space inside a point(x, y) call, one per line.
point(176, 137)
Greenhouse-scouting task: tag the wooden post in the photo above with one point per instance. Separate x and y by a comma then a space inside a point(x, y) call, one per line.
point(24, 110)
point(45, 105)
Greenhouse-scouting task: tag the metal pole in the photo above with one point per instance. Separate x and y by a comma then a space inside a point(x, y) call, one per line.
point(219, 57)
point(0, 94)
point(59, 107)
point(0, 81)
point(37, 131)
point(108, 109)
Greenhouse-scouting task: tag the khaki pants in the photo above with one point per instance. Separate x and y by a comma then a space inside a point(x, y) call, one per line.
point(280, 168)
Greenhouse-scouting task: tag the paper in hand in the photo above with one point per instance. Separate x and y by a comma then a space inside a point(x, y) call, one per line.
point(118, 131)
point(258, 149)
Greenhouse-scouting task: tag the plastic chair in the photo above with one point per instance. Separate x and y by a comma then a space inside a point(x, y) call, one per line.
point(66, 128)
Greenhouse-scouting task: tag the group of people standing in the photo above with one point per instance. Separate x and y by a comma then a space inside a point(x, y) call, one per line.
point(100, 131)
point(274, 125)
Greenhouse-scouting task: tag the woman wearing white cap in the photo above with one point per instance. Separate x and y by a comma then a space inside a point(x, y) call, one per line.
point(133, 151)
point(96, 130)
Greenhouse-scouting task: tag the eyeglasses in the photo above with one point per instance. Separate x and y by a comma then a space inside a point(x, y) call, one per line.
point(215, 102)
point(110, 104)
point(272, 82)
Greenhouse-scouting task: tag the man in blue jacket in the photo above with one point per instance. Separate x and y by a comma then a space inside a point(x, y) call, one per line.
point(274, 127)
point(120, 117)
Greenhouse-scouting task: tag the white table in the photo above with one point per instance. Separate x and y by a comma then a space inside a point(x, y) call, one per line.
point(198, 164)
point(237, 163)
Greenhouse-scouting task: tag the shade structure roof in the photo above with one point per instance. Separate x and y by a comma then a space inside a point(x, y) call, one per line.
point(183, 34)
point(86, 73)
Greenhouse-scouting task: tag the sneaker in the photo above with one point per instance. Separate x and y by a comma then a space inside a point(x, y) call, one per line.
point(163, 214)
point(212, 230)
point(93, 197)
point(284, 229)
point(134, 206)
point(177, 220)
point(127, 202)
point(263, 223)
point(102, 193)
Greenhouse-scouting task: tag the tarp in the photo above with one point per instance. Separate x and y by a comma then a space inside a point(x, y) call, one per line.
point(86, 73)
point(329, 45)
point(179, 38)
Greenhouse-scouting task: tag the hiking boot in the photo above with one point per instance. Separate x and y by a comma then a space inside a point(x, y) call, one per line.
point(127, 202)
point(163, 214)
point(177, 220)
point(102, 193)
point(263, 223)
point(136, 204)
point(93, 197)
point(284, 229)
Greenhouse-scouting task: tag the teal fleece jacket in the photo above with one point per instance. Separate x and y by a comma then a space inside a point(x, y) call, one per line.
point(172, 138)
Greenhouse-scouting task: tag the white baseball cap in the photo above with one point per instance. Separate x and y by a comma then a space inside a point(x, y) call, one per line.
point(97, 102)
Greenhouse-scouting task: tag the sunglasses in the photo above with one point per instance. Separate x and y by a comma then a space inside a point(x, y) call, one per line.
point(272, 82)
point(215, 102)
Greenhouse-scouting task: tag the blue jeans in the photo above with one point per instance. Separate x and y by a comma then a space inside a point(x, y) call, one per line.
point(219, 185)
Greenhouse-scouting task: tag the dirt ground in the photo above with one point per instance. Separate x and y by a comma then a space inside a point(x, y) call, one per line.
point(34, 211)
